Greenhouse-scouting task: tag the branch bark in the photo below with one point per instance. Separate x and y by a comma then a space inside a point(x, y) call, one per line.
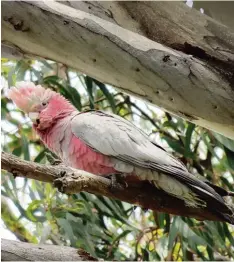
point(21, 251)
point(194, 80)
point(141, 193)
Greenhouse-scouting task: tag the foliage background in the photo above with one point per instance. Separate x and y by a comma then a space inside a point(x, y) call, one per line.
point(35, 212)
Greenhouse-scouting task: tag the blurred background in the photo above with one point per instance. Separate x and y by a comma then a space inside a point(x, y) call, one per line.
point(36, 212)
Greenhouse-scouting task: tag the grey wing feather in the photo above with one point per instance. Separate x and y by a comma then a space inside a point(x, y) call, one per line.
point(114, 136)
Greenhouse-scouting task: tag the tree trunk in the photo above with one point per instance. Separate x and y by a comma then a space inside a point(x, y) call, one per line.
point(163, 52)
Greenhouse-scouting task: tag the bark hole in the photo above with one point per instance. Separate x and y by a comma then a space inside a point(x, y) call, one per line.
point(166, 58)
point(225, 68)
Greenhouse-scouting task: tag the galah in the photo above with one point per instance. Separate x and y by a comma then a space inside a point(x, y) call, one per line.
point(105, 144)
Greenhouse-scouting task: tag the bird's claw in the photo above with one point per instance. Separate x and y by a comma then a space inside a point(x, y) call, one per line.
point(117, 183)
point(53, 161)
point(56, 162)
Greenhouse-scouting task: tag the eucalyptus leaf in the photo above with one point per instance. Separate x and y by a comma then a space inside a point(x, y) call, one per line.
point(227, 142)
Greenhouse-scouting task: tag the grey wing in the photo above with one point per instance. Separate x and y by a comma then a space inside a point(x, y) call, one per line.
point(114, 136)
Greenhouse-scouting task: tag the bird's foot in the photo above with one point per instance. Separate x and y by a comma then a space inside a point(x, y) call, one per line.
point(117, 182)
point(53, 161)
point(56, 162)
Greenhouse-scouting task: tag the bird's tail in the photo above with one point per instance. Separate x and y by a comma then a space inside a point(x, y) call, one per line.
point(224, 210)
point(209, 197)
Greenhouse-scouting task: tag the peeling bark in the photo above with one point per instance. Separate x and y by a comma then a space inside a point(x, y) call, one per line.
point(190, 75)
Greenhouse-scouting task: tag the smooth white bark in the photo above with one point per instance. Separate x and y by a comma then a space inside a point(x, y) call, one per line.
point(179, 83)
point(20, 251)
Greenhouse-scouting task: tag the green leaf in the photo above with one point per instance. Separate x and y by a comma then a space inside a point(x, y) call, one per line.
point(17, 151)
point(33, 206)
point(51, 79)
point(65, 225)
point(11, 77)
point(188, 137)
point(171, 124)
point(172, 234)
point(174, 144)
point(163, 246)
point(230, 157)
point(228, 234)
point(37, 73)
point(46, 64)
point(89, 86)
point(227, 142)
point(193, 239)
point(122, 235)
point(20, 70)
point(107, 94)
point(160, 219)
point(145, 254)
point(75, 97)
point(25, 147)
point(40, 156)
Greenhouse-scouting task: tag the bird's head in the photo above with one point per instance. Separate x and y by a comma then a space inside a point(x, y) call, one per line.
point(42, 105)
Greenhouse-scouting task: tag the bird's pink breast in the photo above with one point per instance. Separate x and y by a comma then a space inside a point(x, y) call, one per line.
point(73, 151)
point(83, 157)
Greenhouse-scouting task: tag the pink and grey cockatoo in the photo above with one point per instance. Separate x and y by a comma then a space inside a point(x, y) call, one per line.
point(104, 144)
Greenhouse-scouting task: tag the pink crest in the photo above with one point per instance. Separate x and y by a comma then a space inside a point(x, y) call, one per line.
point(27, 94)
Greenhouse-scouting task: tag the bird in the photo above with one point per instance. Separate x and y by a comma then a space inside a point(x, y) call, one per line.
point(106, 144)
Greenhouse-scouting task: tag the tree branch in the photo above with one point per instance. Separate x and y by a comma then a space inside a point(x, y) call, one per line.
point(198, 88)
point(74, 181)
point(21, 251)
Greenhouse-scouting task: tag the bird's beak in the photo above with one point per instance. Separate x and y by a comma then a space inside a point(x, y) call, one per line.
point(33, 116)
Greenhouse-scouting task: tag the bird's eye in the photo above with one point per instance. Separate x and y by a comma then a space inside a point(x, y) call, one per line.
point(44, 103)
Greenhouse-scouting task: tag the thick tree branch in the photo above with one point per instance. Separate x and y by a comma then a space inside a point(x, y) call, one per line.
point(139, 193)
point(21, 251)
point(198, 88)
